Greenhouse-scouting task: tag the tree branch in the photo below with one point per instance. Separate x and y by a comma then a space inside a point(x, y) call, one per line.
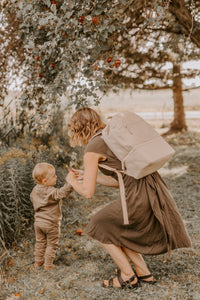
point(189, 26)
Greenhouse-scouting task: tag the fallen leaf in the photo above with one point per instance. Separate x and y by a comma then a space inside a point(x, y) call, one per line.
point(164, 261)
point(17, 295)
point(10, 263)
point(41, 290)
point(26, 244)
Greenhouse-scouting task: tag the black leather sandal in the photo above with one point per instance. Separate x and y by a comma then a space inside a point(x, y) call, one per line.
point(123, 283)
point(142, 278)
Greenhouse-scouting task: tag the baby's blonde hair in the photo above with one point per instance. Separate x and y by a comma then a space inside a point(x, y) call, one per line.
point(41, 171)
point(84, 123)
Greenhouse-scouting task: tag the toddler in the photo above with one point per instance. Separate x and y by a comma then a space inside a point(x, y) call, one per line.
point(47, 201)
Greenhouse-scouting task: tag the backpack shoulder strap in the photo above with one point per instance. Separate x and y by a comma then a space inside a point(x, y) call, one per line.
point(122, 192)
point(121, 186)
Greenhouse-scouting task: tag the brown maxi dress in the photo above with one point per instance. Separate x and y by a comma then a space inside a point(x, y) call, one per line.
point(155, 225)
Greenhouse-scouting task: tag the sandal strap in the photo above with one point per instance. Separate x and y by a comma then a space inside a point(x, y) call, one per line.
point(124, 283)
point(110, 282)
point(130, 279)
point(145, 276)
point(121, 281)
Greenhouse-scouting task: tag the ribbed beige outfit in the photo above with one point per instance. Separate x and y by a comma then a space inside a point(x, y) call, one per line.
point(155, 224)
point(47, 202)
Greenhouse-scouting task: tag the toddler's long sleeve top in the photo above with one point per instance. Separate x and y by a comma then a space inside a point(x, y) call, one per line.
point(47, 202)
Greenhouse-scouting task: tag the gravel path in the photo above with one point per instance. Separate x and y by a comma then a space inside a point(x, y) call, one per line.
point(81, 264)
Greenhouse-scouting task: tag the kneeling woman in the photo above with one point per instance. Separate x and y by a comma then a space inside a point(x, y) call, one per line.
point(155, 225)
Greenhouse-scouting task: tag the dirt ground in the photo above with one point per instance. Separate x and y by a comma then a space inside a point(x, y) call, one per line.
point(81, 264)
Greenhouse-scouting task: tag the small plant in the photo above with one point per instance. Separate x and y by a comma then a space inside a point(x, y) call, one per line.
point(15, 207)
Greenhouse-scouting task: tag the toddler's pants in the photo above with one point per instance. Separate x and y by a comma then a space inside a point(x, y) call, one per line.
point(47, 237)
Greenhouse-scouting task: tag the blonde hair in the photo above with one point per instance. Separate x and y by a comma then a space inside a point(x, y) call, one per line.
point(41, 171)
point(84, 123)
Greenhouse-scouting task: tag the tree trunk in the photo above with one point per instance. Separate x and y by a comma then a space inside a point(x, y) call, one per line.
point(178, 124)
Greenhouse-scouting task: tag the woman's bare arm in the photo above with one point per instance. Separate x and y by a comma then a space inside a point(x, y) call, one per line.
point(107, 181)
point(101, 179)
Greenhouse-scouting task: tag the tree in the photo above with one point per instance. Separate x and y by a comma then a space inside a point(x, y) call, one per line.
point(69, 44)
point(146, 53)
point(146, 69)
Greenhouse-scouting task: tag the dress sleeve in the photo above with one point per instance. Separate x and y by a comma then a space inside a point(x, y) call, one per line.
point(96, 145)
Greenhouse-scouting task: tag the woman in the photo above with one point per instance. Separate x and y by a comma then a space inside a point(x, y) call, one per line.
point(155, 225)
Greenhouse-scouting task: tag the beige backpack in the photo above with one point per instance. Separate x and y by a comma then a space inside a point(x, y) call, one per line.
point(137, 145)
